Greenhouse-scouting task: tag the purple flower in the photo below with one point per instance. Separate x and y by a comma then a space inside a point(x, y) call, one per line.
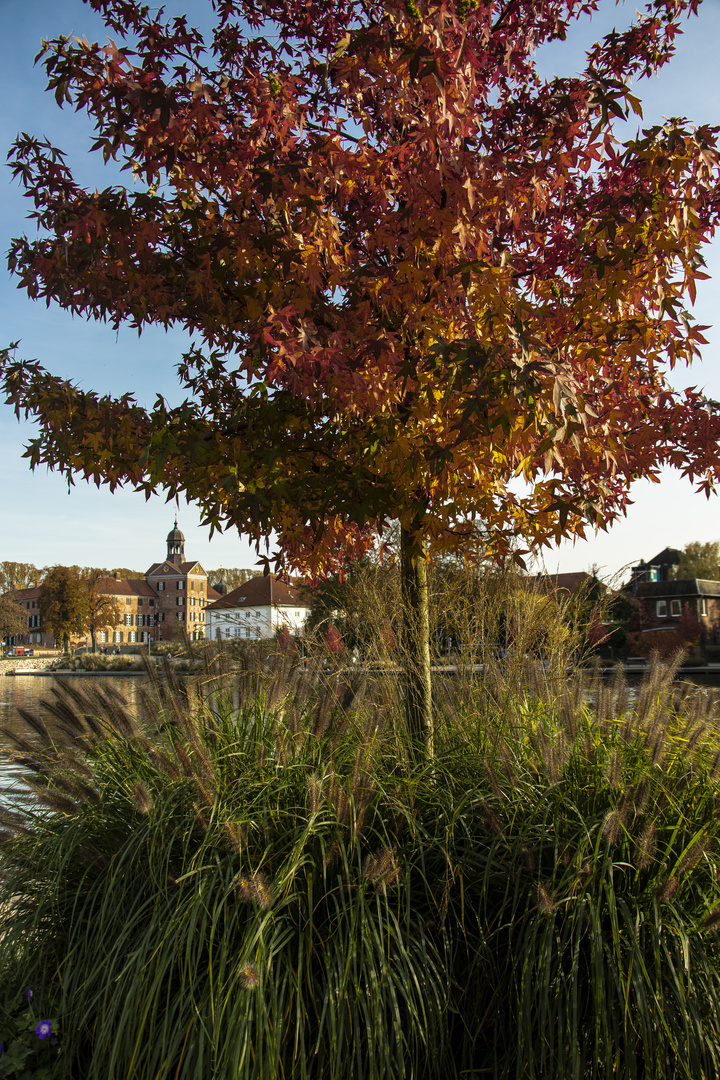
point(43, 1029)
point(29, 993)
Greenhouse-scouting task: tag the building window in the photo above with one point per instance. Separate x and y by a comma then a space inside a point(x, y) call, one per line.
point(180, 584)
point(248, 632)
point(128, 600)
point(179, 616)
point(128, 620)
point(161, 586)
point(192, 588)
point(661, 609)
point(144, 636)
point(151, 603)
point(141, 620)
point(132, 636)
point(103, 636)
point(192, 601)
point(117, 637)
point(676, 607)
point(33, 603)
point(160, 617)
point(702, 606)
point(140, 603)
point(180, 601)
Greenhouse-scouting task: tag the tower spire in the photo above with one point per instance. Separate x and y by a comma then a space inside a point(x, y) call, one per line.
point(175, 545)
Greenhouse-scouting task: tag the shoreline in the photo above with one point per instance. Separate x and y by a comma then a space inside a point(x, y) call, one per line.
point(46, 673)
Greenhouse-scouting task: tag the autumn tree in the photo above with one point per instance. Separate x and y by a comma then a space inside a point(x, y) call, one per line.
point(13, 620)
point(103, 609)
point(424, 282)
point(64, 604)
point(699, 560)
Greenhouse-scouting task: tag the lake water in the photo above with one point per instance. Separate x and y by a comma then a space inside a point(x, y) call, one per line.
point(27, 692)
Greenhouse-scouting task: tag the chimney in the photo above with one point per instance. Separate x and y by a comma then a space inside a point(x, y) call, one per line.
point(116, 575)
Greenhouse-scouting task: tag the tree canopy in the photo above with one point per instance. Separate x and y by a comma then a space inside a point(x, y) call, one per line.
point(64, 603)
point(17, 575)
point(699, 559)
point(104, 611)
point(13, 619)
point(424, 283)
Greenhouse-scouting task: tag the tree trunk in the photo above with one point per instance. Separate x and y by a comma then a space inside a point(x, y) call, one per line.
point(417, 684)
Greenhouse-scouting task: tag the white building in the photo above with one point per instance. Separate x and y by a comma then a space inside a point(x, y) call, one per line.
point(257, 609)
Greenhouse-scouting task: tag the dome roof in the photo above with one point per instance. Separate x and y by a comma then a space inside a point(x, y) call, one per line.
point(175, 535)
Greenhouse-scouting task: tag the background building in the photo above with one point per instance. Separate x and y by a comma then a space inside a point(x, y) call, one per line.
point(166, 604)
point(257, 609)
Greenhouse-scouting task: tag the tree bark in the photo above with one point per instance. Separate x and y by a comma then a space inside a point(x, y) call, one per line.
point(416, 679)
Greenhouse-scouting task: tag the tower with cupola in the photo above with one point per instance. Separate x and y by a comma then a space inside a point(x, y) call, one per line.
point(175, 546)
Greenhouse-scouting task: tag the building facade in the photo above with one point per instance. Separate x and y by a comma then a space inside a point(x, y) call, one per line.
point(672, 605)
point(168, 603)
point(663, 603)
point(258, 610)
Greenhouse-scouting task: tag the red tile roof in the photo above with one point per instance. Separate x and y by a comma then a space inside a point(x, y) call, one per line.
point(266, 591)
point(24, 594)
point(562, 582)
point(111, 586)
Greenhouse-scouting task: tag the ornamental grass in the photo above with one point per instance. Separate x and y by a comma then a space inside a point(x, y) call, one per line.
point(252, 877)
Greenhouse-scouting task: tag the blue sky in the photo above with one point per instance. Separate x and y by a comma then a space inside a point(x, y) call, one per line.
point(41, 522)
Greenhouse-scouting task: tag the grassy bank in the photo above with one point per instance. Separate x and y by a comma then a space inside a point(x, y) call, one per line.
point(254, 880)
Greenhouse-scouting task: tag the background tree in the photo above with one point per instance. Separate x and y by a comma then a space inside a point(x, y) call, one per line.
point(699, 560)
point(233, 576)
point(13, 619)
point(103, 609)
point(17, 575)
point(64, 604)
point(425, 283)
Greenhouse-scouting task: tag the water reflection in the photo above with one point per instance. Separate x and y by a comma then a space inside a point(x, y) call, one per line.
point(27, 692)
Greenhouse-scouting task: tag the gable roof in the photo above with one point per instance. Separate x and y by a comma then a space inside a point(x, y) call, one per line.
point(111, 586)
point(562, 582)
point(667, 557)
point(175, 568)
point(264, 591)
point(24, 594)
point(687, 587)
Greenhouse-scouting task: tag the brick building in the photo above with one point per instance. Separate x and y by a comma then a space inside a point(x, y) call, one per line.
point(167, 603)
point(662, 601)
point(662, 604)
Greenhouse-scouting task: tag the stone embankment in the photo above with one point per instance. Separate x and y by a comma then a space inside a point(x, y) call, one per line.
point(8, 665)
